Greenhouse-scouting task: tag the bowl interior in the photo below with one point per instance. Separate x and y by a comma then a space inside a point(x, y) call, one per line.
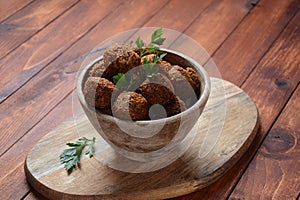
point(175, 58)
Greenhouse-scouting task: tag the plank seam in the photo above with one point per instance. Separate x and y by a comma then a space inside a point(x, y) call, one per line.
point(42, 68)
point(17, 11)
point(234, 29)
point(196, 18)
point(25, 195)
point(263, 139)
point(271, 45)
point(69, 92)
point(39, 30)
point(279, 114)
point(35, 124)
point(268, 131)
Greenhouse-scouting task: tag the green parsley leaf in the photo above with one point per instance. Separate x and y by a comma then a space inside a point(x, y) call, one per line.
point(117, 77)
point(156, 34)
point(159, 41)
point(146, 61)
point(71, 157)
point(139, 43)
point(162, 55)
point(123, 81)
point(91, 149)
point(152, 47)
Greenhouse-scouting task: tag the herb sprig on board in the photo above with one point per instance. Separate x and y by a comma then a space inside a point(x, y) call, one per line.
point(71, 157)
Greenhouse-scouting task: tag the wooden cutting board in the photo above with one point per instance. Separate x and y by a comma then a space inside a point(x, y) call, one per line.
point(224, 132)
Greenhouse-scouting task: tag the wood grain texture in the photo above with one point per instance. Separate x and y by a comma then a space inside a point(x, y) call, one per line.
point(58, 76)
point(269, 85)
point(34, 196)
point(279, 75)
point(8, 8)
point(70, 57)
point(28, 64)
point(184, 17)
point(187, 174)
point(274, 172)
point(11, 163)
point(28, 21)
point(12, 178)
point(64, 109)
point(147, 16)
point(244, 48)
point(32, 56)
point(212, 27)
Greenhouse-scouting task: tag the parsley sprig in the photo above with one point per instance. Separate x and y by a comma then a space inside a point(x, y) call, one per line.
point(123, 81)
point(71, 157)
point(153, 47)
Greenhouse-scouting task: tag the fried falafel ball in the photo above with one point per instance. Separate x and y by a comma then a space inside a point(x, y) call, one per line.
point(193, 78)
point(130, 106)
point(98, 92)
point(157, 90)
point(119, 59)
point(175, 106)
point(98, 69)
point(186, 82)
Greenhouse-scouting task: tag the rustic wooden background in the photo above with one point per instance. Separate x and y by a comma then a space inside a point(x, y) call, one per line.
point(256, 45)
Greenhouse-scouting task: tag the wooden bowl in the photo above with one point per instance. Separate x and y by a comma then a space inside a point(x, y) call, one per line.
point(148, 139)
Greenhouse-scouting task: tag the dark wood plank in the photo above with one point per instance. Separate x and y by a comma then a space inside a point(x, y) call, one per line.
point(270, 85)
point(65, 71)
point(13, 182)
point(56, 71)
point(212, 27)
point(64, 74)
point(239, 54)
point(34, 196)
point(73, 58)
point(185, 14)
point(274, 172)
point(25, 23)
point(8, 8)
point(29, 58)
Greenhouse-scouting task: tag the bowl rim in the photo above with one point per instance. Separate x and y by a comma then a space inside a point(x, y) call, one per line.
point(202, 100)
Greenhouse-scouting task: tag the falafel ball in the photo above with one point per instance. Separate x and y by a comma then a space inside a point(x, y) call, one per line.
point(193, 78)
point(166, 66)
point(98, 92)
point(119, 59)
point(130, 106)
point(185, 81)
point(157, 90)
point(98, 69)
point(175, 106)
point(148, 57)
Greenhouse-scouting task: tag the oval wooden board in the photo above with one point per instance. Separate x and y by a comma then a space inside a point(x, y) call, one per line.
point(218, 144)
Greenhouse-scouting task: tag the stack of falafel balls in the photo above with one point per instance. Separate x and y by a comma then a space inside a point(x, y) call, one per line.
point(165, 93)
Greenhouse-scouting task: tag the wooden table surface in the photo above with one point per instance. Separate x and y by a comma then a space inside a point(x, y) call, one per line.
point(255, 44)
